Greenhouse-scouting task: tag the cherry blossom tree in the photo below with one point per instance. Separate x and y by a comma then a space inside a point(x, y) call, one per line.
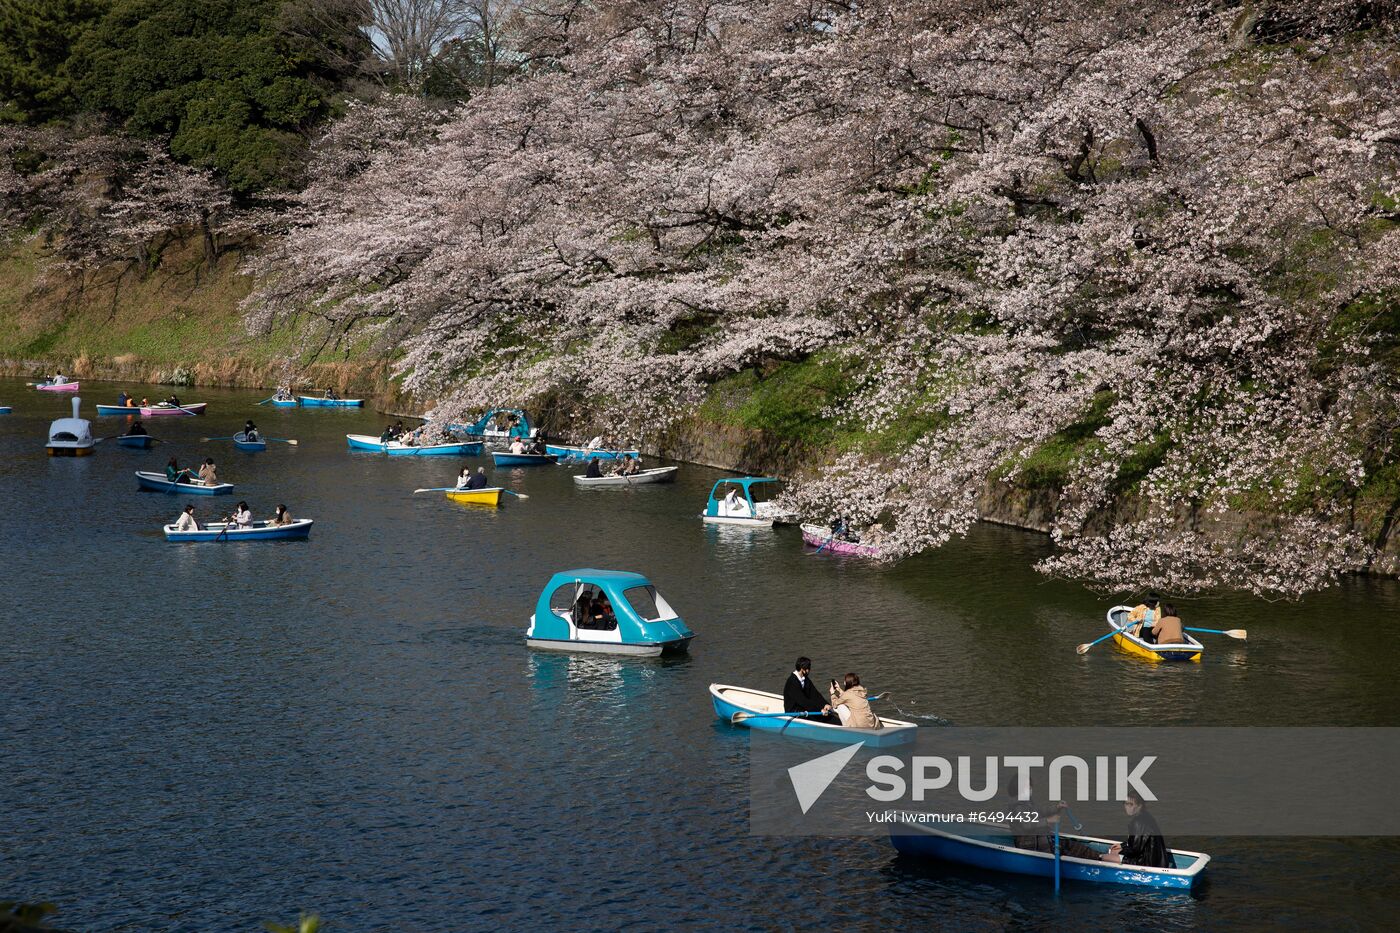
point(1155, 237)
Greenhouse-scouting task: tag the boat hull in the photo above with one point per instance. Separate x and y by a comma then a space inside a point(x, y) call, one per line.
point(395, 449)
point(298, 530)
point(122, 410)
point(589, 453)
point(70, 451)
point(60, 387)
point(1190, 650)
point(645, 477)
point(728, 700)
point(309, 402)
point(184, 410)
point(488, 496)
point(820, 537)
point(508, 459)
point(4, 409)
point(283, 403)
point(252, 446)
point(649, 650)
point(141, 441)
point(735, 520)
point(997, 852)
point(158, 482)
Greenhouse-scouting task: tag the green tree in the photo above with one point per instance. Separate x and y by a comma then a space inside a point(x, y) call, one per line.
point(36, 40)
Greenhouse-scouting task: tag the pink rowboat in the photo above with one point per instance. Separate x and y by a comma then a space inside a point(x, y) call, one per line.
point(818, 535)
point(166, 409)
point(60, 387)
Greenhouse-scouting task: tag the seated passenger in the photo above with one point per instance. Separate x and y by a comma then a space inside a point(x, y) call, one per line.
point(581, 614)
point(208, 473)
point(537, 447)
point(282, 516)
point(517, 446)
point(607, 620)
point(1168, 630)
point(250, 430)
point(186, 521)
point(852, 699)
point(388, 434)
point(136, 429)
point(333, 395)
point(478, 480)
point(596, 443)
point(1145, 845)
point(124, 400)
point(464, 477)
point(594, 471)
point(801, 695)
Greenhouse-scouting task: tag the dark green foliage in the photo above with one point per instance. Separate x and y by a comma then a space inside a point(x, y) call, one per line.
point(36, 40)
point(231, 87)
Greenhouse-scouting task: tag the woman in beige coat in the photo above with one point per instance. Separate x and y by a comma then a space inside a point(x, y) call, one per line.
point(854, 699)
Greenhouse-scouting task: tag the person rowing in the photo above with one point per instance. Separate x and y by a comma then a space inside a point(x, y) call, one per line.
point(186, 521)
point(333, 395)
point(538, 446)
point(250, 430)
point(800, 695)
point(174, 474)
point(137, 429)
point(124, 400)
point(517, 446)
point(282, 516)
point(1045, 841)
point(174, 400)
point(1168, 630)
point(595, 470)
point(242, 515)
point(1145, 612)
point(58, 379)
point(478, 479)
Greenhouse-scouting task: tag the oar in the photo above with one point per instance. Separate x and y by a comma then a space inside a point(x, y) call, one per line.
point(1084, 649)
point(438, 489)
point(742, 715)
point(518, 495)
point(229, 438)
point(284, 440)
point(271, 398)
point(1057, 857)
point(1237, 633)
point(829, 539)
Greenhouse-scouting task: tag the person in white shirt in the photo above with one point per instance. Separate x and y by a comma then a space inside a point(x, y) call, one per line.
point(186, 521)
point(463, 477)
point(517, 446)
point(596, 442)
point(242, 515)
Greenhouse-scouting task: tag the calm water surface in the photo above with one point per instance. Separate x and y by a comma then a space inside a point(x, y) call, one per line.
point(204, 737)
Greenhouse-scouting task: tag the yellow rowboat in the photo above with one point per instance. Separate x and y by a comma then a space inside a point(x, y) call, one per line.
point(491, 495)
point(1189, 650)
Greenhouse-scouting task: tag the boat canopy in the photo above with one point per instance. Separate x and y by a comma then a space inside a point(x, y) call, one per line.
point(743, 487)
point(70, 431)
point(519, 426)
point(643, 615)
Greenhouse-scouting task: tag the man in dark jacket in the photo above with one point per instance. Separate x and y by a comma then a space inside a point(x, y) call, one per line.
point(478, 479)
point(801, 695)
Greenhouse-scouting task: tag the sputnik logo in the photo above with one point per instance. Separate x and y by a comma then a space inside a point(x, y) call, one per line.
point(811, 778)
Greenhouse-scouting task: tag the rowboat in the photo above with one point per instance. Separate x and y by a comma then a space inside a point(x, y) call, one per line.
point(4, 409)
point(135, 440)
point(158, 482)
point(309, 401)
point(56, 386)
point(257, 531)
point(641, 623)
point(71, 437)
point(729, 701)
point(732, 502)
point(508, 459)
point(240, 440)
point(283, 403)
point(654, 475)
point(1189, 650)
point(589, 453)
point(397, 449)
point(123, 410)
point(821, 537)
point(489, 495)
point(996, 851)
point(165, 408)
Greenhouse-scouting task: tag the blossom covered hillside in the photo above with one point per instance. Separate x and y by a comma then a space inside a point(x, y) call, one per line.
point(1155, 242)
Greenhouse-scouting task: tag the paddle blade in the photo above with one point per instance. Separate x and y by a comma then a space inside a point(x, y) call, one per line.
point(1239, 633)
point(739, 717)
point(417, 491)
point(292, 441)
point(521, 495)
point(1083, 649)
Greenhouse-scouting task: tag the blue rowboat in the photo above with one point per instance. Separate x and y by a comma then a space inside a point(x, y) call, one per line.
point(640, 623)
point(997, 851)
point(135, 440)
point(258, 531)
point(744, 707)
point(4, 409)
point(589, 453)
point(309, 401)
point(123, 410)
point(283, 403)
point(396, 449)
point(522, 459)
point(240, 440)
point(157, 481)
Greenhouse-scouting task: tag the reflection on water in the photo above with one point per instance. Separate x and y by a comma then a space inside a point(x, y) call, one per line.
point(204, 736)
